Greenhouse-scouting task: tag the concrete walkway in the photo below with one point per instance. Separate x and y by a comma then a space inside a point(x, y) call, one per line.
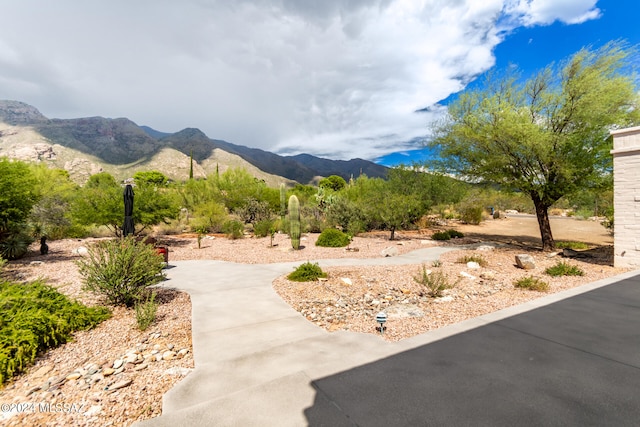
point(260, 363)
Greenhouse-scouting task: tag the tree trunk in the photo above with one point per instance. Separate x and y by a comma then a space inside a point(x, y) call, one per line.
point(542, 213)
point(393, 233)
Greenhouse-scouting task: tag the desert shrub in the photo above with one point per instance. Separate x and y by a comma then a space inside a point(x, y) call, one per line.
point(473, 258)
point(572, 245)
point(35, 317)
point(441, 235)
point(15, 245)
point(532, 283)
point(306, 272)
point(332, 238)
point(435, 281)
point(471, 214)
point(564, 269)
point(264, 228)
point(436, 263)
point(146, 311)
point(455, 234)
point(121, 269)
point(233, 229)
point(447, 235)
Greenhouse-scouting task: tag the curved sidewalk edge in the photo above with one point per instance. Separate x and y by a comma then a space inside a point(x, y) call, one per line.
point(257, 360)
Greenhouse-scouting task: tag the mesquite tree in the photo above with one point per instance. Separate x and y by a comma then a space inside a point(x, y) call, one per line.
point(547, 136)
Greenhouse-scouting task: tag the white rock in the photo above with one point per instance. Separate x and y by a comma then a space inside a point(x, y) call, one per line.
point(467, 275)
point(472, 265)
point(525, 261)
point(118, 363)
point(346, 281)
point(485, 248)
point(389, 251)
point(177, 370)
point(93, 410)
point(169, 355)
point(81, 251)
point(448, 298)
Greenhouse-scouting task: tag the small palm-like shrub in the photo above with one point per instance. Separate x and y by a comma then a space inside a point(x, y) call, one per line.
point(15, 245)
point(564, 269)
point(532, 283)
point(473, 258)
point(435, 281)
point(306, 272)
point(35, 317)
point(332, 238)
point(121, 269)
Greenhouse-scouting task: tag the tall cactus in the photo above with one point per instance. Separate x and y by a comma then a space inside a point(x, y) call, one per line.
point(283, 202)
point(294, 221)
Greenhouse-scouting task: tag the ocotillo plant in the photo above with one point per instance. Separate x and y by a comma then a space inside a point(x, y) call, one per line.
point(294, 221)
point(283, 201)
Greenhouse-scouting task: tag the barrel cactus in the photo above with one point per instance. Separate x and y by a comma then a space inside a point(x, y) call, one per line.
point(294, 221)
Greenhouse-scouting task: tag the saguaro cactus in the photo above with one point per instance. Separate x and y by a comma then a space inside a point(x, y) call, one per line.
point(294, 221)
point(283, 202)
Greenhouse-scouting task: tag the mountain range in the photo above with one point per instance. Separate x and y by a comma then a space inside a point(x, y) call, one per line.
point(85, 146)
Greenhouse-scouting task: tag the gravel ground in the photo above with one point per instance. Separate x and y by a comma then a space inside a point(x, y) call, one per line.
point(333, 304)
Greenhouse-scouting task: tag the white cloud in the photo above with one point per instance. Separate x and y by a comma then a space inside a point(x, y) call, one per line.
point(336, 78)
point(545, 12)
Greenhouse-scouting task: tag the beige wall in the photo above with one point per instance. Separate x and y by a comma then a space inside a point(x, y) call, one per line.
point(626, 196)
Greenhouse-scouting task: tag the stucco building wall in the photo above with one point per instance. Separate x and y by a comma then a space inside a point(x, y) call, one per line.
point(626, 196)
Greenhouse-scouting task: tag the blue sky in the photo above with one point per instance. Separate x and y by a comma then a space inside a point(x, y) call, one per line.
point(532, 48)
point(334, 78)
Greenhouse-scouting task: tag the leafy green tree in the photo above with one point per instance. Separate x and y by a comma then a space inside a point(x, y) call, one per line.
point(547, 136)
point(100, 202)
point(50, 216)
point(150, 178)
point(17, 193)
point(333, 182)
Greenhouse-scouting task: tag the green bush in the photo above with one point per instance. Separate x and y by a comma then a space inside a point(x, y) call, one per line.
point(15, 245)
point(146, 311)
point(441, 235)
point(121, 269)
point(572, 245)
point(473, 258)
point(332, 238)
point(564, 269)
point(435, 281)
point(455, 234)
point(35, 317)
point(306, 272)
point(447, 235)
point(233, 229)
point(471, 214)
point(532, 283)
point(264, 228)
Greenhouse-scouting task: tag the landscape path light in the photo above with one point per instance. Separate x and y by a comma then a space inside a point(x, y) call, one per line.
point(381, 318)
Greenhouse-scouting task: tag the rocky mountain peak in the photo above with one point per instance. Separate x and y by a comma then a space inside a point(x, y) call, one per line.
point(18, 113)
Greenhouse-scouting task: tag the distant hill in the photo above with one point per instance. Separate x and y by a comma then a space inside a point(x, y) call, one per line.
point(119, 146)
